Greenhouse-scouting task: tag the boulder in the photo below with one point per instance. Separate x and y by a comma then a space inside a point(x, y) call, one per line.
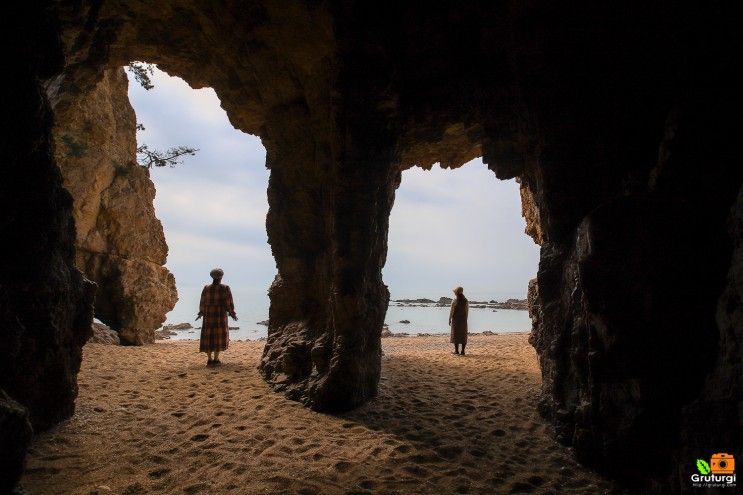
point(103, 335)
point(15, 438)
point(178, 326)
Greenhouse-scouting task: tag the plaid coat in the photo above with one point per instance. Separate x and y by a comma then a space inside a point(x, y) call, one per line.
point(458, 320)
point(216, 303)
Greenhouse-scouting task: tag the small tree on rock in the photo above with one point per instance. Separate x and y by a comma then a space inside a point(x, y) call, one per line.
point(171, 157)
point(146, 156)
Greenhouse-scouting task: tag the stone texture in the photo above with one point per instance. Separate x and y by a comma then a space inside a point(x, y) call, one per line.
point(104, 335)
point(714, 420)
point(618, 122)
point(120, 243)
point(45, 303)
point(15, 437)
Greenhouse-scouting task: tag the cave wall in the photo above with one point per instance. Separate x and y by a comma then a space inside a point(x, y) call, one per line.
point(636, 248)
point(617, 120)
point(120, 243)
point(45, 302)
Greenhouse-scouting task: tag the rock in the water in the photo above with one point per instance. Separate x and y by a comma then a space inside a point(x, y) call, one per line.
point(386, 333)
point(15, 437)
point(103, 335)
point(405, 321)
point(415, 301)
point(163, 334)
point(264, 323)
point(178, 326)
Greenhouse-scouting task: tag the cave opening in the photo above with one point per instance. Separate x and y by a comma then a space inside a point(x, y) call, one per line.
point(621, 128)
point(213, 206)
point(458, 227)
point(148, 234)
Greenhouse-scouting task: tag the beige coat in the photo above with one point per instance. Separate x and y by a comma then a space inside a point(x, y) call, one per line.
point(458, 320)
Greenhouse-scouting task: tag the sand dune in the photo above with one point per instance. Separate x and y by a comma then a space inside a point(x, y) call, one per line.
point(153, 419)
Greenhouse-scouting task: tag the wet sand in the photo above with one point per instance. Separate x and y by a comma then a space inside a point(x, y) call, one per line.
point(154, 419)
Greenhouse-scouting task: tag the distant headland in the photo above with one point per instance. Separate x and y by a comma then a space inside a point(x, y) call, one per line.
point(518, 304)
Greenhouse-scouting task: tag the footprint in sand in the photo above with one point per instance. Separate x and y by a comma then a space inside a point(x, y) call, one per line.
point(449, 451)
point(158, 473)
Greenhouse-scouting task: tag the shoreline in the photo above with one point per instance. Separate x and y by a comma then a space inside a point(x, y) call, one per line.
point(392, 335)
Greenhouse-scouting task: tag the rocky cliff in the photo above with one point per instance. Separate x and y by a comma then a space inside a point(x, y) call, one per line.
point(619, 123)
point(119, 241)
point(45, 302)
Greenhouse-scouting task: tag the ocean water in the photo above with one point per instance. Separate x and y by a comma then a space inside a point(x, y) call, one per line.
point(252, 307)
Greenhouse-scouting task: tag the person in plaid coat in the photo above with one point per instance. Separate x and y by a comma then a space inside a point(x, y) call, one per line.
point(458, 320)
point(216, 303)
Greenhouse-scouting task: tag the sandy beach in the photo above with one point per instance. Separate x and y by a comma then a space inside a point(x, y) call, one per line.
point(154, 419)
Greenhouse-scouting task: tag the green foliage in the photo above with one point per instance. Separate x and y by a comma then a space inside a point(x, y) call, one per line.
point(146, 156)
point(142, 72)
point(171, 157)
point(74, 149)
point(703, 466)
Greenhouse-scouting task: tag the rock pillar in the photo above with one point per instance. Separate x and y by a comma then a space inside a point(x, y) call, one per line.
point(330, 202)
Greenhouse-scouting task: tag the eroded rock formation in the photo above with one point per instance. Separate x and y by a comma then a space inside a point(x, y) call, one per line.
point(119, 243)
point(45, 303)
point(616, 121)
point(15, 437)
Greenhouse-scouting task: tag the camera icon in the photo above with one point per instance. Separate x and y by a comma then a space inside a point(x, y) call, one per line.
point(722, 464)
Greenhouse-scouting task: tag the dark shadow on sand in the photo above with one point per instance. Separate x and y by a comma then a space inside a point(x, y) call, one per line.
point(470, 417)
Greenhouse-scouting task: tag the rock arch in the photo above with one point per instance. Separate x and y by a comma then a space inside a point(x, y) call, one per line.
point(617, 122)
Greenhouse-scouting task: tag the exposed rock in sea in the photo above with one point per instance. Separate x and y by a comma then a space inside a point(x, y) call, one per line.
point(164, 334)
point(264, 322)
point(178, 326)
point(104, 335)
point(405, 321)
point(416, 301)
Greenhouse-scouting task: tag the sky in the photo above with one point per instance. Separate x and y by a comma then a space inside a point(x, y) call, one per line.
point(447, 228)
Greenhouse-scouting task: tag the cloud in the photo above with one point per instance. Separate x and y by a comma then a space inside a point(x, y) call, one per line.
point(447, 227)
point(458, 226)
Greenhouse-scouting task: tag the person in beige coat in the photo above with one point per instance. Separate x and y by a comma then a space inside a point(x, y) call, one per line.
point(458, 320)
